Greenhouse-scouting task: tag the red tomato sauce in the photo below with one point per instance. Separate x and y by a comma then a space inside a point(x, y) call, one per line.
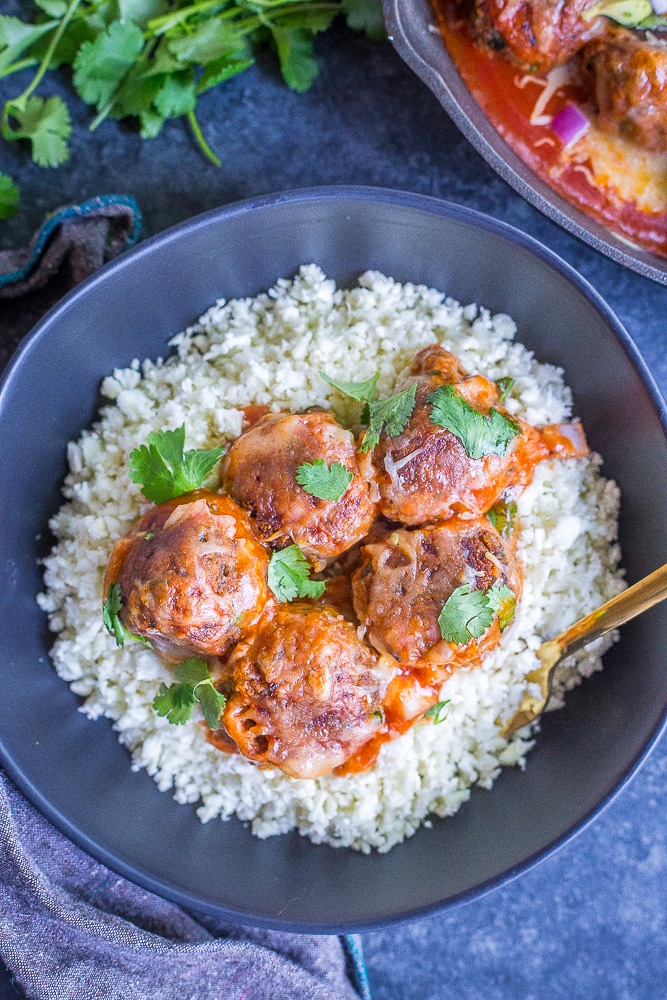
point(494, 82)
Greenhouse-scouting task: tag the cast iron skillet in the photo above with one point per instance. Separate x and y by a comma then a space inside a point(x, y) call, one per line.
point(411, 27)
point(74, 770)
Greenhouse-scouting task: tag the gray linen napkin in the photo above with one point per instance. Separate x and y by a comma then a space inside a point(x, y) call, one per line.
point(70, 929)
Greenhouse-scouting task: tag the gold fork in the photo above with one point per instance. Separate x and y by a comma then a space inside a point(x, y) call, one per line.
point(632, 602)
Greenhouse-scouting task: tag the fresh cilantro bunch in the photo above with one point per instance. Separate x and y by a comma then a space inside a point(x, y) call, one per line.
point(389, 415)
point(152, 59)
point(164, 471)
point(288, 575)
point(480, 435)
point(194, 687)
point(468, 613)
point(323, 481)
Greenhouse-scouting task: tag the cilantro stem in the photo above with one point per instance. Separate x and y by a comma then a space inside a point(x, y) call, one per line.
point(158, 25)
point(199, 136)
point(44, 65)
point(17, 67)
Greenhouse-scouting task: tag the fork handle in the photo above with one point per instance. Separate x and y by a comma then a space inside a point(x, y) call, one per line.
point(641, 596)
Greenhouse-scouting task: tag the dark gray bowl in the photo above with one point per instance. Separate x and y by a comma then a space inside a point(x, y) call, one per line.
point(424, 51)
point(75, 771)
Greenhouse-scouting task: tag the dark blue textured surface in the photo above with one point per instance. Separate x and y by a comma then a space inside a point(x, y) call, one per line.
point(591, 922)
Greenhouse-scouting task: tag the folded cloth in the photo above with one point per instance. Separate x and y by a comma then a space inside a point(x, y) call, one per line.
point(69, 927)
point(72, 243)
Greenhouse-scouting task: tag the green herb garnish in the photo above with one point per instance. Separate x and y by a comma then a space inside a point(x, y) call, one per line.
point(505, 385)
point(164, 471)
point(9, 197)
point(479, 435)
point(438, 712)
point(110, 611)
point(389, 415)
point(152, 59)
point(177, 701)
point(323, 481)
point(502, 516)
point(468, 613)
point(365, 392)
point(502, 601)
point(288, 575)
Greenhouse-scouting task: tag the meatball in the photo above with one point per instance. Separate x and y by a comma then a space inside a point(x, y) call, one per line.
point(260, 470)
point(405, 580)
point(192, 576)
point(307, 693)
point(627, 73)
point(535, 34)
point(424, 474)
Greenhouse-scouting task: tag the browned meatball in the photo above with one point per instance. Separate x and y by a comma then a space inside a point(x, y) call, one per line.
point(536, 34)
point(628, 75)
point(192, 576)
point(307, 693)
point(424, 473)
point(405, 580)
point(260, 470)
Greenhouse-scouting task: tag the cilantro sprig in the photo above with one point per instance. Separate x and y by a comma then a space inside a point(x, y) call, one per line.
point(110, 612)
point(288, 575)
point(165, 471)
point(389, 415)
point(438, 712)
point(195, 686)
point(480, 435)
point(468, 613)
point(152, 59)
point(323, 481)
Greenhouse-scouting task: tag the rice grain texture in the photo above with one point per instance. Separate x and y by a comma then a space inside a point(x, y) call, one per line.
point(270, 350)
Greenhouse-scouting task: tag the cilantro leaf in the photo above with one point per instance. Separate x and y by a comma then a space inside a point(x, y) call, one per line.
point(502, 601)
point(502, 516)
point(365, 15)
point(206, 42)
point(438, 712)
point(466, 615)
point(16, 37)
point(164, 471)
point(363, 391)
point(192, 671)
point(54, 8)
point(113, 624)
point(327, 483)
point(141, 11)
point(220, 70)
point(177, 94)
point(295, 53)
point(46, 123)
point(195, 686)
point(288, 575)
point(505, 385)
point(478, 434)
point(100, 66)
point(211, 703)
point(9, 197)
point(390, 415)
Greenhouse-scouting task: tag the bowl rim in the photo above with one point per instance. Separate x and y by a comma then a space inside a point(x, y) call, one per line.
point(472, 121)
point(390, 197)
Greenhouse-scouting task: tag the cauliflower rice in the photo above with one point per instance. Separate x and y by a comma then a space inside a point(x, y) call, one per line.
point(270, 350)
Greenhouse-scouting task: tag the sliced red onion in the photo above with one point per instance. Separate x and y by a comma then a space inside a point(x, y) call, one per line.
point(570, 124)
point(659, 6)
